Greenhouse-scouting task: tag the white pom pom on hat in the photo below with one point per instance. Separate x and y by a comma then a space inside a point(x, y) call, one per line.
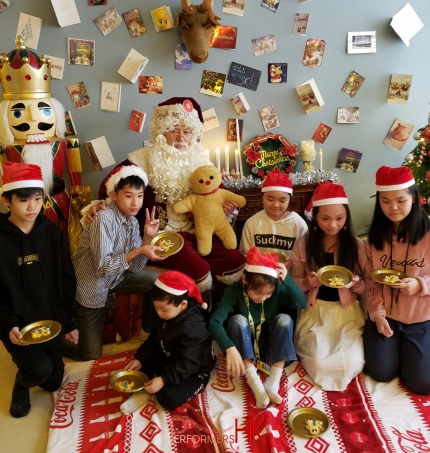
point(122, 173)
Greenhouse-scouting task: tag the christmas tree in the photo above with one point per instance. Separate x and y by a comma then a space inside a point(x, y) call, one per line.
point(418, 160)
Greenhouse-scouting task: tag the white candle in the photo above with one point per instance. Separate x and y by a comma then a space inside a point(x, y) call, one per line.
point(321, 166)
point(218, 159)
point(236, 159)
point(307, 145)
point(227, 160)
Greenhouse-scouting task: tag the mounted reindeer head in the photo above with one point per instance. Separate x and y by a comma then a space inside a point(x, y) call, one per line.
point(195, 25)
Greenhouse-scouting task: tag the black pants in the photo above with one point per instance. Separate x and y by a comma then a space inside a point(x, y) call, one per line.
point(405, 354)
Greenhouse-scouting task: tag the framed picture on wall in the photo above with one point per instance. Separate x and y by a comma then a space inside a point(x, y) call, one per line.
point(110, 96)
point(361, 41)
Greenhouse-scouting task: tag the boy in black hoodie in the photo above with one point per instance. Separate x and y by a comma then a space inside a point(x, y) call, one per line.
point(177, 356)
point(37, 282)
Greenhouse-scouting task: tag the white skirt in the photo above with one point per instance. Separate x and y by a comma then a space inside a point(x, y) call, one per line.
point(329, 341)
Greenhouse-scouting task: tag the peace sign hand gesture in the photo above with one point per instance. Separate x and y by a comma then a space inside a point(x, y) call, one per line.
point(151, 226)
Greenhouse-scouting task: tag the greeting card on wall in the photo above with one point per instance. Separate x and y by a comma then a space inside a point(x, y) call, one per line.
point(108, 21)
point(4, 5)
point(361, 41)
point(243, 76)
point(349, 115)
point(231, 130)
point(79, 95)
point(133, 65)
point(97, 2)
point(162, 18)
point(269, 118)
point(348, 160)
point(70, 125)
point(353, 83)
point(398, 134)
point(223, 37)
point(278, 72)
point(29, 29)
point(406, 23)
point(57, 66)
point(210, 120)
point(264, 45)
point(300, 24)
point(271, 5)
point(321, 133)
point(400, 88)
point(110, 96)
point(151, 84)
point(66, 12)
point(100, 153)
point(182, 59)
point(212, 83)
point(136, 121)
point(235, 7)
point(310, 96)
point(134, 22)
point(81, 51)
point(240, 104)
point(314, 52)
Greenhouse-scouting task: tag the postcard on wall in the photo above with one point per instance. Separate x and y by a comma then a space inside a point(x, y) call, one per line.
point(271, 5)
point(314, 52)
point(29, 28)
point(81, 51)
point(348, 160)
point(79, 95)
point(231, 130)
point(100, 153)
point(240, 104)
point(321, 133)
point(300, 24)
point(4, 5)
point(310, 96)
point(348, 115)
point(264, 45)
point(133, 65)
point(269, 118)
point(399, 90)
point(182, 59)
point(136, 121)
point(57, 66)
point(150, 84)
point(134, 23)
point(70, 125)
point(212, 83)
point(277, 72)
point(361, 41)
point(210, 120)
point(235, 7)
point(243, 76)
point(97, 2)
point(398, 134)
point(223, 37)
point(162, 18)
point(406, 23)
point(110, 96)
point(353, 83)
point(66, 12)
point(108, 21)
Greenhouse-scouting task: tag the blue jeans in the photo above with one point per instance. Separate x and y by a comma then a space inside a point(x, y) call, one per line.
point(275, 343)
point(89, 321)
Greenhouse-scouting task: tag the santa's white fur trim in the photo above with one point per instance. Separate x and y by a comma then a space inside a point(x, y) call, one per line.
point(230, 278)
point(125, 172)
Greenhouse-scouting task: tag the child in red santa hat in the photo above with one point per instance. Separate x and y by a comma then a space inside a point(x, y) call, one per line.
point(177, 356)
point(397, 331)
point(328, 334)
point(250, 327)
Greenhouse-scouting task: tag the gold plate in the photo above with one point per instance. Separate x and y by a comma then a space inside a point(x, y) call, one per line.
point(297, 421)
point(135, 378)
point(378, 276)
point(176, 242)
point(26, 332)
point(327, 272)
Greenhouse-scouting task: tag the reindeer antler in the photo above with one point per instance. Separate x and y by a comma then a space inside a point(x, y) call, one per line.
point(208, 6)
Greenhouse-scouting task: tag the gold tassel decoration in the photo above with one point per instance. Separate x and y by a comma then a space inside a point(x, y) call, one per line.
point(74, 155)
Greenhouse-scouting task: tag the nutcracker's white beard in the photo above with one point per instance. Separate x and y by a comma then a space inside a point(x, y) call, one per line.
point(170, 169)
point(40, 154)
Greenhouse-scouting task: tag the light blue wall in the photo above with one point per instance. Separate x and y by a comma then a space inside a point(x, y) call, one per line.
point(330, 20)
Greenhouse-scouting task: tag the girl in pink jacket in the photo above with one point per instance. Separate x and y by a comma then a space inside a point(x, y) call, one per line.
point(328, 335)
point(397, 333)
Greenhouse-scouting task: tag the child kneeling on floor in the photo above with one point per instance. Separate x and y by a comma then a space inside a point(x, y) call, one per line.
point(256, 328)
point(177, 356)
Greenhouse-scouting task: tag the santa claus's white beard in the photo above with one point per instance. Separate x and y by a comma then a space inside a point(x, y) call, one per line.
point(40, 154)
point(171, 169)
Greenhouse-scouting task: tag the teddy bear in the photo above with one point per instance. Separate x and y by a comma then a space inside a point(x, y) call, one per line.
point(206, 206)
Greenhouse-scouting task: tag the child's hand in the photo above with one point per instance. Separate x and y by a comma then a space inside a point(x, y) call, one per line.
point(312, 280)
point(15, 337)
point(229, 207)
point(409, 286)
point(282, 271)
point(235, 365)
point(92, 212)
point(383, 326)
point(151, 226)
point(133, 365)
point(353, 282)
point(72, 336)
point(154, 385)
point(149, 252)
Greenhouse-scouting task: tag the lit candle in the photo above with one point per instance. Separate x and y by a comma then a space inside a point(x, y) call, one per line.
point(227, 160)
point(218, 159)
point(321, 167)
point(236, 159)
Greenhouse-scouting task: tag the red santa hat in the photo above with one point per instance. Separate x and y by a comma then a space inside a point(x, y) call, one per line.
point(328, 193)
point(388, 178)
point(277, 181)
point(122, 173)
point(18, 175)
point(178, 106)
point(177, 283)
point(308, 210)
point(261, 263)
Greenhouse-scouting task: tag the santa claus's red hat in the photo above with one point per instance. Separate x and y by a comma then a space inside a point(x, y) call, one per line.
point(261, 263)
point(388, 178)
point(277, 181)
point(122, 173)
point(17, 175)
point(328, 193)
point(177, 283)
point(179, 106)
